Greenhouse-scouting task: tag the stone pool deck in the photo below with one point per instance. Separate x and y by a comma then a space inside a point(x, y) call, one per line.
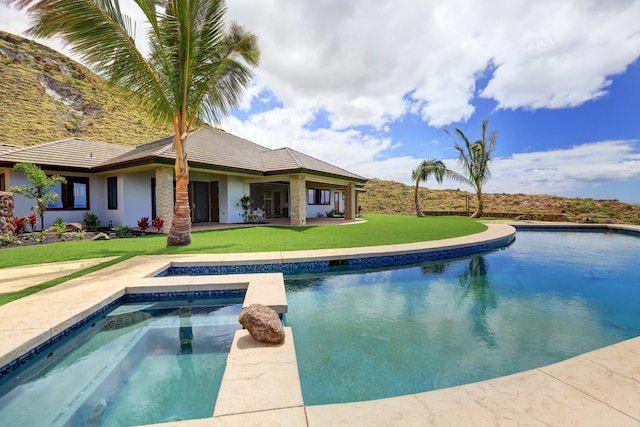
point(261, 386)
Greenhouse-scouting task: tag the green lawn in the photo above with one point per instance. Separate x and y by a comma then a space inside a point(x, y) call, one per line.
point(378, 230)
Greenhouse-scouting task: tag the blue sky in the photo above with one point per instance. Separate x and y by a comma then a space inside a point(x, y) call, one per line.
point(369, 86)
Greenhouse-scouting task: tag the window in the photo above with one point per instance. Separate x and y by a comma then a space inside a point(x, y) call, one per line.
point(3, 185)
point(319, 197)
point(74, 194)
point(112, 192)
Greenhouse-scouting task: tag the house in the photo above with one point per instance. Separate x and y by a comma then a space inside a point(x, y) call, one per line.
point(121, 184)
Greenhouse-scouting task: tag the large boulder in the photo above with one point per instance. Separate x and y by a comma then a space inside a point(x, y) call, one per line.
point(263, 323)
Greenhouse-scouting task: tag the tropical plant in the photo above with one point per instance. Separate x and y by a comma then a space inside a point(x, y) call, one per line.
point(475, 159)
point(196, 68)
point(245, 203)
point(20, 225)
point(33, 219)
point(143, 223)
point(158, 223)
point(41, 189)
point(122, 231)
point(91, 221)
point(427, 168)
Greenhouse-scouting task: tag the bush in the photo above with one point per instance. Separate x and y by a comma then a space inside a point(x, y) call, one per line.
point(122, 230)
point(143, 223)
point(158, 223)
point(7, 240)
point(20, 225)
point(91, 221)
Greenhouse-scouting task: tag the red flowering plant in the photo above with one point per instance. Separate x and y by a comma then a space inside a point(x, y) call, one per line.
point(158, 223)
point(19, 225)
point(143, 223)
point(33, 220)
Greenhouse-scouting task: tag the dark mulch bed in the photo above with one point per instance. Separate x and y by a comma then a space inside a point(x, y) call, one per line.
point(38, 238)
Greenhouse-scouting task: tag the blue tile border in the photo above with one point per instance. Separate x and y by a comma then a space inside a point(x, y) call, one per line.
point(576, 228)
point(352, 263)
point(126, 298)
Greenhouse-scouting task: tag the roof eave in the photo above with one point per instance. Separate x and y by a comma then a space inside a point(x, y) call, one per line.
point(316, 173)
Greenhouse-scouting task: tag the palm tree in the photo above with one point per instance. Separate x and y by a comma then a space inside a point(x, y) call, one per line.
point(425, 169)
point(196, 67)
point(475, 159)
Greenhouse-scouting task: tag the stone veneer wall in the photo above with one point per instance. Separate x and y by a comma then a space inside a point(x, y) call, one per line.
point(6, 213)
point(164, 196)
point(298, 200)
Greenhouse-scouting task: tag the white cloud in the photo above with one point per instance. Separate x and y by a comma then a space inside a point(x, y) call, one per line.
point(358, 59)
point(563, 171)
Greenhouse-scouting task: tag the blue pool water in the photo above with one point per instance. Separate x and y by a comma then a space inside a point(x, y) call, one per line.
point(380, 333)
point(141, 363)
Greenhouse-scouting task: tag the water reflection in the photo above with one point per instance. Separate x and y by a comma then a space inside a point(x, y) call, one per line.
point(476, 288)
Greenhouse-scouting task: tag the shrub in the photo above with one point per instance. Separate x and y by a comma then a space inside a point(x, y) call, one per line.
point(33, 220)
point(143, 223)
point(20, 225)
point(7, 240)
point(122, 230)
point(158, 223)
point(91, 221)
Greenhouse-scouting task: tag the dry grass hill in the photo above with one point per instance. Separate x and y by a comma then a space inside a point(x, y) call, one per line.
point(45, 96)
point(396, 198)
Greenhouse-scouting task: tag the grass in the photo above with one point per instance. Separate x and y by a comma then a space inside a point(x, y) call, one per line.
point(378, 230)
point(12, 296)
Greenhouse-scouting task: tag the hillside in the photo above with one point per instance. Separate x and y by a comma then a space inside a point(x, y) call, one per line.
point(45, 96)
point(396, 198)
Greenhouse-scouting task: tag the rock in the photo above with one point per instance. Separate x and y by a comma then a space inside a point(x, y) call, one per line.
point(100, 236)
point(96, 412)
point(263, 323)
point(73, 227)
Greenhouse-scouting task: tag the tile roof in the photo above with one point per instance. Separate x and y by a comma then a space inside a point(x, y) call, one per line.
point(206, 147)
point(219, 149)
point(6, 148)
point(69, 153)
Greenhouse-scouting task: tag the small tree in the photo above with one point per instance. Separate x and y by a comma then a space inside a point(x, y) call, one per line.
point(427, 168)
point(475, 159)
point(41, 189)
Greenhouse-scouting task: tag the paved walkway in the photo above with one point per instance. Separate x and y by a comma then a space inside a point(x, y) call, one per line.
point(595, 389)
point(14, 279)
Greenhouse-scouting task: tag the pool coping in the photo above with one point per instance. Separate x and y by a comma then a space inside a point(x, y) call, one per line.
point(596, 388)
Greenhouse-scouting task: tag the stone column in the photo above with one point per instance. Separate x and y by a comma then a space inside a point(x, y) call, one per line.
point(164, 196)
point(6, 214)
point(350, 201)
point(298, 200)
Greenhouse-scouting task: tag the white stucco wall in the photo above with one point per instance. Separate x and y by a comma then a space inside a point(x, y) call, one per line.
point(97, 200)
point(136, 198)
point(231, 191)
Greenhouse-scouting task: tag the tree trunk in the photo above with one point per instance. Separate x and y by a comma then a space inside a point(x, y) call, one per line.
point(478, 212)
point(180, 230)
point(418, 211)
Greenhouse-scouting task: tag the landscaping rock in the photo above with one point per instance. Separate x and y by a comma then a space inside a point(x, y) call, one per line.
point(263, 323)
point(100, 236)
point(73, 227)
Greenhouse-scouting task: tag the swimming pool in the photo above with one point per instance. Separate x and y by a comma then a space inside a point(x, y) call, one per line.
point(142, 362)
point(389, 332)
